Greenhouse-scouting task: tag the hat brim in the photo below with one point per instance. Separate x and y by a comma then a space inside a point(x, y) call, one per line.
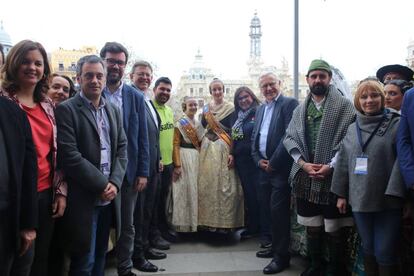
point(395, 68)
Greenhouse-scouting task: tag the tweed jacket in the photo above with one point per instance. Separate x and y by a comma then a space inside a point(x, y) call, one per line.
point(338, 114)
point(382, 187)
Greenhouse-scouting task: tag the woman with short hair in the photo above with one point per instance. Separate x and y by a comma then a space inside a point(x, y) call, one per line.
point(367, 176)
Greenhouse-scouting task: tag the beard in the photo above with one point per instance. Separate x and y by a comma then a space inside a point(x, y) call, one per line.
point(113, 77)
point(319, 89)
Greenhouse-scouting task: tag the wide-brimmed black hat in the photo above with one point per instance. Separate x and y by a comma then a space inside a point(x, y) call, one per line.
point(395, 68)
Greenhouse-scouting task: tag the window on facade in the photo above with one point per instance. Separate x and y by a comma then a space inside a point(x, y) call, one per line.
point(61, 67)
point(200, 91)
point(227, 90)
point(191, 91)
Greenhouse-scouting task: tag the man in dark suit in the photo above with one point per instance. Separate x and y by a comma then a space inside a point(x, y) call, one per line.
point(132, 106)
point(405, 142)
point(18, 190)
point(270, 155)
point(141, 76)
point(92, 151)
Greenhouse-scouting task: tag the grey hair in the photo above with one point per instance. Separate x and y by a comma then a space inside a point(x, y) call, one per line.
point(141, 63)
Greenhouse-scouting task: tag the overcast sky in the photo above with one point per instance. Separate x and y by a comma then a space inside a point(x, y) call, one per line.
point(357, 36)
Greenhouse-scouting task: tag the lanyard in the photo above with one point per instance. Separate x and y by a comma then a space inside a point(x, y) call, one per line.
point(358, 129)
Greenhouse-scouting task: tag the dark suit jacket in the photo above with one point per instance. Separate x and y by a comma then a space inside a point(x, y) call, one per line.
point(154, 140)
point(405, 139)
point(22, 162)
point(135, 126)
point(279, 158)
point(79, 155)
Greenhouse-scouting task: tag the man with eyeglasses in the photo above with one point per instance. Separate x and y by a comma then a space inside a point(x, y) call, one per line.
point(268, 152)
point(312, 139)
point(147, 228)
point(132, 106)
point(92, 152)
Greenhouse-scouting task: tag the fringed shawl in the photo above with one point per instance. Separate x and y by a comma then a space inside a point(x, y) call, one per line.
point(338, 114)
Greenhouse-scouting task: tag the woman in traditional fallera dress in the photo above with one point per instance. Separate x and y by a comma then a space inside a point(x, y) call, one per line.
point(186, 147)
point(220, 195)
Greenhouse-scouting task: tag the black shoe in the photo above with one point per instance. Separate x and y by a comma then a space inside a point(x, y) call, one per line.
point(151, 254)
point(170, 235)
point(311, 271)
point(246, 234)
point(160, 243)
point(144, 265)
point(130, 273)
point(267, 253)
point(265, 244)
point(275, 267)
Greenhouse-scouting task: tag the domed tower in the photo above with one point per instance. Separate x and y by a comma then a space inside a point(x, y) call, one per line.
point(410, 56)
point(5, 39)
point(255, 35)
point(255, 63)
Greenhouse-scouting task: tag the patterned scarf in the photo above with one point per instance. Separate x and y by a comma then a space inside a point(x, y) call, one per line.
point(237, 129)
point(338, 114)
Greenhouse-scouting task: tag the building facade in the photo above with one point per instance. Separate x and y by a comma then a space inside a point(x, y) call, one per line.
point(64, 61)
point(194, 82)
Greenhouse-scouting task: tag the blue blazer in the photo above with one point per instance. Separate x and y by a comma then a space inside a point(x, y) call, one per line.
point(279, 158)
point(135, 126)
point(405, 139)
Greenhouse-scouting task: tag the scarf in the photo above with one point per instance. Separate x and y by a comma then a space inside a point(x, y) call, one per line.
point(338, 114)
point(237, 129)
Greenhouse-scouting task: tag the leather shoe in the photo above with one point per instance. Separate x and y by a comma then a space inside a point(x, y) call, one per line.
point(160, 243)
point(151, 254)
point(130, 273)
point(170, 235)
point(275, 267)
point(144, 265)
point(267, 253)
point(265, 244)
point(246, 234)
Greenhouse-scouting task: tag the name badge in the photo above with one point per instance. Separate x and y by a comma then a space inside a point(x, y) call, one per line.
point(104, 154)
point(361, 165)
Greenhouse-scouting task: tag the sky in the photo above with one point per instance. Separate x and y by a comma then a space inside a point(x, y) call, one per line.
point(356, 36)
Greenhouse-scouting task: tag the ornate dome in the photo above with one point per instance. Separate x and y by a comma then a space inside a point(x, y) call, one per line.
point(4, 37)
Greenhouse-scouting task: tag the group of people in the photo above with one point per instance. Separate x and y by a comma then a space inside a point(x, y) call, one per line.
point(75, 164)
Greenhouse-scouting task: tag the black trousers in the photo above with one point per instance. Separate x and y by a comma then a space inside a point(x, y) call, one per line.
point(280, 213)
point(44, 234)
point(143, 215)
point(164, 192)
point(249, 176)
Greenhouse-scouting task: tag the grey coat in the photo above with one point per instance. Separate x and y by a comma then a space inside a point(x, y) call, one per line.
point(79, 155)
point(382, 187)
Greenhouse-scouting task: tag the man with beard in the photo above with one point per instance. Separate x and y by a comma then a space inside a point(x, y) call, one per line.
point(132, 106)
point(312, 139)
point(162, 93)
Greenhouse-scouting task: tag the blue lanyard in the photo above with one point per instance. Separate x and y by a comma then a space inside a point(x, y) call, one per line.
point(358, 129)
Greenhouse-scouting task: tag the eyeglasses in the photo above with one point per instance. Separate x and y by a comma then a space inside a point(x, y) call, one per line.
point(112, 62)
point(271, 84)
point(243, 98)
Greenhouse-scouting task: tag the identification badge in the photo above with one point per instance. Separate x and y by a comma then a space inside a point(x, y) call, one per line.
point(361, 165)
point(104, 154)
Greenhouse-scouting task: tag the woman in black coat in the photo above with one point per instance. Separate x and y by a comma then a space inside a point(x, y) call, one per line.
point(245, 103)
